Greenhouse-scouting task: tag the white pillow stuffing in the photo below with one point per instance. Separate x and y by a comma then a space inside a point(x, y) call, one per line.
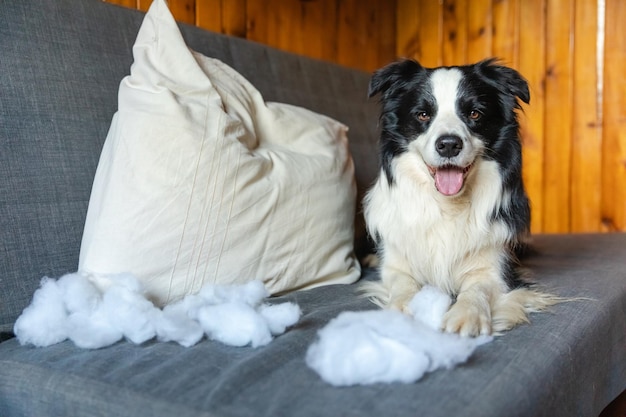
point(385, 346)
point(77, 308)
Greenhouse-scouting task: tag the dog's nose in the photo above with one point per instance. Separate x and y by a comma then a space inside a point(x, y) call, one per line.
point(449, 146)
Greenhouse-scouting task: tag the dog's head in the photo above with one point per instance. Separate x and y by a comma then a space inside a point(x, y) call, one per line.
point(450, 116)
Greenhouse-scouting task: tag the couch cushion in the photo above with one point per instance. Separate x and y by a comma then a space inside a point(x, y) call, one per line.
point(570, 361)
point(201, 181)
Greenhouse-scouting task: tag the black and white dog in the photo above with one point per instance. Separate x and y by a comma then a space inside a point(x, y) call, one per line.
point(449, 207)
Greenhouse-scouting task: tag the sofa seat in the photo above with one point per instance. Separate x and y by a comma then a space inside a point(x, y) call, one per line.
point(568, 362)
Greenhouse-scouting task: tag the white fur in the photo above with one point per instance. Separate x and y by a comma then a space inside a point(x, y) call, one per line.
point(445, 84)
point(447, 242)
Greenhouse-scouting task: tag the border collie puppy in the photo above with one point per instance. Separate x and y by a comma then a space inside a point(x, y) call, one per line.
point(449, 207)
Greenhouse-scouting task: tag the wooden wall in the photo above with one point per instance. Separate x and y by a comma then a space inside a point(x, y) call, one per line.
point(355, 33)
point(572, 52)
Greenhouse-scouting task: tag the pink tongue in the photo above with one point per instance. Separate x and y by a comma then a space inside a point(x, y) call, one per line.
point(449, 181)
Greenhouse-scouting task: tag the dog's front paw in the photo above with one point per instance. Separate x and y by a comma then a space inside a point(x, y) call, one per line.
point(467, 319)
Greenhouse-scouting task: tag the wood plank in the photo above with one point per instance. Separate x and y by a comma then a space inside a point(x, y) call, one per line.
point(234, 18)
point(455, 32)
point(357, 34)
point(317, 29)
point(407, 29)
point(532, 66)
point(346, 26)
point(209, 14)
point(386, 39)
point(431, 33)
point(587, 127)
point(505, 32)
point(614, 132)
point(479, 30)
point(183, 10)
point(126, 3)
point(350, 32)
point(282, 20)
point(420, 38)
point(558, 127)
point(143, 5)
point(257, 24)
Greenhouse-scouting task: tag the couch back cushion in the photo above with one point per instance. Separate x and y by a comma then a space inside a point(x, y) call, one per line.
point(61, 66)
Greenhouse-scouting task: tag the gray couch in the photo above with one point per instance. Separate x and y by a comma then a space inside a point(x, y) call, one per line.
point(60, 65)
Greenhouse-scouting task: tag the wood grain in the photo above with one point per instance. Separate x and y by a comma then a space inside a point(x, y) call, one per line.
point(126, 3)
point(505, 32)
point(574, 130)
point(614, 123)
point(479, 30)
point(531, 63)
point(455, 32)
point(586, 128)
point(408, 37)
point(420, 31)
point(558, 117)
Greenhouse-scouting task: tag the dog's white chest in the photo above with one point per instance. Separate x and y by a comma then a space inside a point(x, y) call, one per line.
point(432, 236)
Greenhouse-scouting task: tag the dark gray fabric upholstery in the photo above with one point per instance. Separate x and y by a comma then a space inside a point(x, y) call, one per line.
point(54, 115)
point(60, 65)
point(569, 362)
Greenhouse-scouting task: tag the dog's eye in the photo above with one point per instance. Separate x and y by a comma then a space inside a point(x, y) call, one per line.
point(475, 115)
point(423, 116)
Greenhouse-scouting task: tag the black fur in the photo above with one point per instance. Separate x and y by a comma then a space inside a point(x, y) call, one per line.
point(493, 89)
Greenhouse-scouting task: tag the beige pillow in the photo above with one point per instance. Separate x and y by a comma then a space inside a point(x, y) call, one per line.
point(202, 181)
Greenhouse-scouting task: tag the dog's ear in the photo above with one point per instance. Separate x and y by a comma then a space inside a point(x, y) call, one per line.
point(390, 76)
point(500, 76)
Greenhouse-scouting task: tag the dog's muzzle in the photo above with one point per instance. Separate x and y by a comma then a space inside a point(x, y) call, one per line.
point(449, 178)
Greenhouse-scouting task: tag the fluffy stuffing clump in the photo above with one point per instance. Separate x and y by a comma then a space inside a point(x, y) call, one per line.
point(96, 312)
point(389, 346)
point(354, 348)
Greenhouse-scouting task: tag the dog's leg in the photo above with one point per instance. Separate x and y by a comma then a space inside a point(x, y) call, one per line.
point(401, 288)
point(479, 287)
point(397, 286)
point(470, 315)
